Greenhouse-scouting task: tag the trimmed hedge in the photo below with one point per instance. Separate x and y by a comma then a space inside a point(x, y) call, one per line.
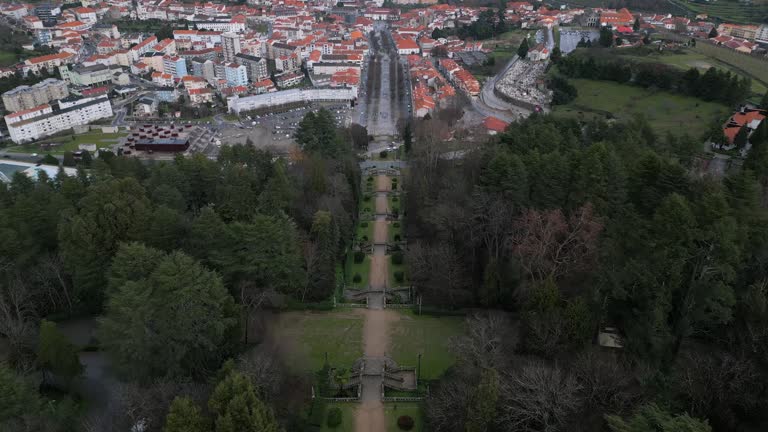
point(405, 422)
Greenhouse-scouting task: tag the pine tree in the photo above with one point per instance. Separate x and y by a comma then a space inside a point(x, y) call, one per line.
point(184, 416)
point(56, 354)
point(651, 418)
point(482, 402)
point(636, 25)
point(741, 138)
point(238, 409)
point(522, 51)
point(408, 136)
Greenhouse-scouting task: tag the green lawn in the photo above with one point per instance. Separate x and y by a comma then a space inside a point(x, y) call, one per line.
point(7, 58)
point(62, 144)
point(392, 268)
point(347, 417)
point(394, 201)
point(666, 112)
point(304, 337)
point(393, 410)
point(363, 269)
point(365, 233)
point(696, 58)
point(428, 335)
point(728, 10)
point(395, 230)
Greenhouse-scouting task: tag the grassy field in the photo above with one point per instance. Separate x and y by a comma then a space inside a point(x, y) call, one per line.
point(705, 56)
point(7, 58)
point(394, 410)
point(347, 418)
point(666, 112)
point(304, 337)
point(427, 335)
point(62, 144)
point(728, 10)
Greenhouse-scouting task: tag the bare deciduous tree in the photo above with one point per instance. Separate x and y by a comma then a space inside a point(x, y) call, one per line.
point(488, 342)
point(549, 245)
point(264, 370)
point(18, 320)
point(446, 408)
point(606, 382)
point(439, 272)
point(537, 398)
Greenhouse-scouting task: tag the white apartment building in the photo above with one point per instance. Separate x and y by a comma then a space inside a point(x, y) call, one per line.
point(220, 26)
point(27, 97)
point(237, 104)
point(762, 33)
point(230, 46)
point(44, 121)
point(236, 75)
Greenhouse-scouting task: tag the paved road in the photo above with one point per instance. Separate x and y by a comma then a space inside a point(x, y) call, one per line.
point(489, 104)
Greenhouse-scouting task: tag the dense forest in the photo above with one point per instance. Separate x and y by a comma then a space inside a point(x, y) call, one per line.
point(567, 229)
point(173, 256)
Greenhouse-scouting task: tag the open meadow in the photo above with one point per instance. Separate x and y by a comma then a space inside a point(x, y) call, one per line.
point(666, 112)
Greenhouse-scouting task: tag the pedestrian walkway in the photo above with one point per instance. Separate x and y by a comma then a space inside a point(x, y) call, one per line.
point(370, 415)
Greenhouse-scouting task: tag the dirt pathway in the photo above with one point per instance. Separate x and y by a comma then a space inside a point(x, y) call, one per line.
point(380, 229)
point(383, 183)
point(369, 416)
point(381, 204)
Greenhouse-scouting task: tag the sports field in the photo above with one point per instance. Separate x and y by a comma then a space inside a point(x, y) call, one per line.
point(666, 112)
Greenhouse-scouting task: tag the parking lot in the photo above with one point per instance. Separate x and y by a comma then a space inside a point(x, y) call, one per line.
point(275, 130)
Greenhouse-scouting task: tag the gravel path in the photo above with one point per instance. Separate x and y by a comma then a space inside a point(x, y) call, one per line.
point(369, 416)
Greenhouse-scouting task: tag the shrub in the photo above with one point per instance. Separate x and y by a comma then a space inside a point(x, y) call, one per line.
point(334, 417)
point(397, 237)
point(394, 199)
point(405, 422)
point(364, 224)
point(359, 256)
point(369, 179)
point(383, 154)
point(397, 258)
point(399, 276)
point(364, 238)
point(396, 224)
point(395, 211)
point(394, 186)
point(367, 198)
point(357, 278)
point(367, 209)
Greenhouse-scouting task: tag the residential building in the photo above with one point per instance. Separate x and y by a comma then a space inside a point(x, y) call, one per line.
point(175, 66)
point(257, 66)
point(48, 62)
point(238, 104)
point(203, 68)
point(27, 97)
point(89, 75)
point(44, 121)
point(230, 46)
point(236, 75)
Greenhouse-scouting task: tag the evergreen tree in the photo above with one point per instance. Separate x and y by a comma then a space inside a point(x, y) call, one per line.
point(741, 138)
point(606, 36)
point(764, 102)
point(713, 33)
point(481, 406)
point(17, 395)
point(175, 319)
point(56, 354)
point(322, 275)
point(522, 50)
point(407, 137)
point(238, 409)
point(636, 25)
point(184, 416)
